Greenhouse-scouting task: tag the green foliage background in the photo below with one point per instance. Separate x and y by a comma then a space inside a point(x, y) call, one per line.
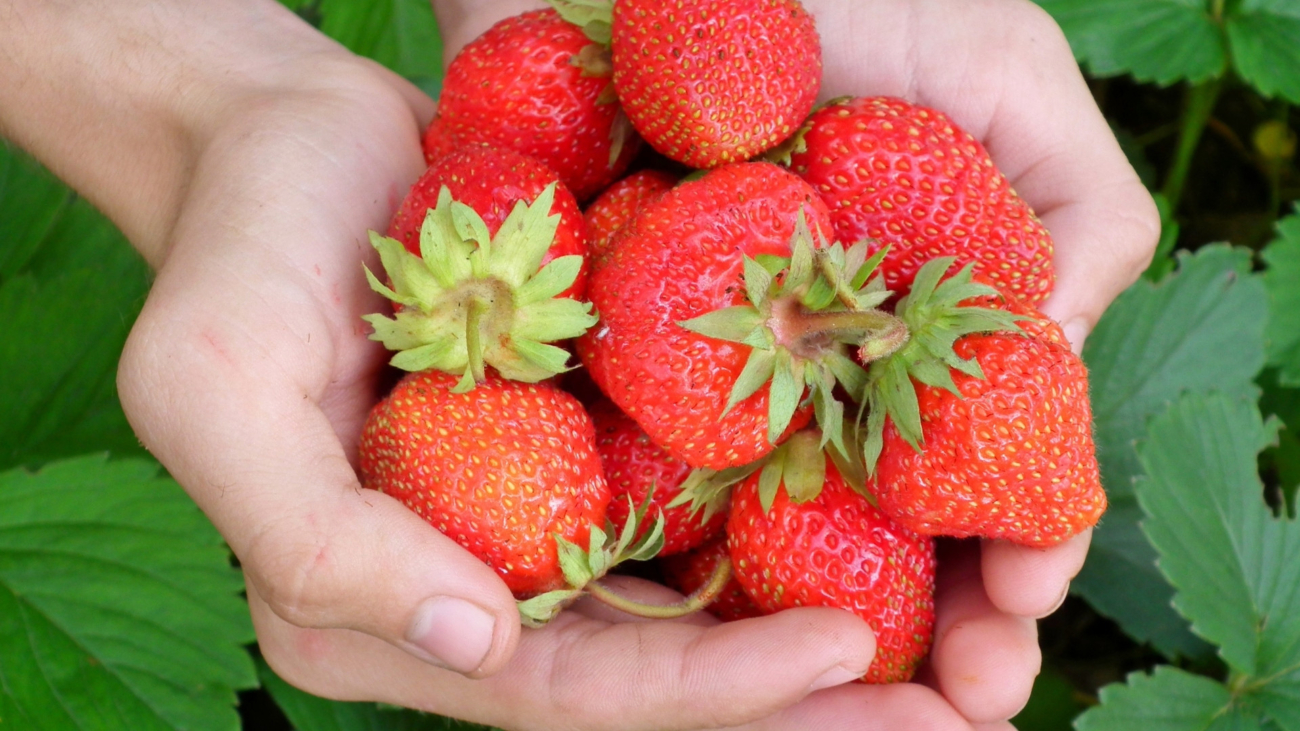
point(1186, 617)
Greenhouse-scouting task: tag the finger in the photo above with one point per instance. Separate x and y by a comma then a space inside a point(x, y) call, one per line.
point(319, 549)
point(1049, 138)
point(1032, 582)
point(984, 660)
point(858, 707)
point(578, 673)
point(240, 349)
point(637, 590)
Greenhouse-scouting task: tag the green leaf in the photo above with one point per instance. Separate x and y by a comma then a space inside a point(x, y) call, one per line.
point(119, 607)
point(1265, 39)
point(66, 310)
point(1200, 329)
point(1154, 40)
point(1282, 278)
point(1168, 700)
point(311, 713)
point(1236, 567)
point(400, 34)
point(1052, 706)
point(31, 202)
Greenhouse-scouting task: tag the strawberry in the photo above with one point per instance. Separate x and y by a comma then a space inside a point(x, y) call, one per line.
point(907, 177)
point(801, 536)
point(693, 327)
point(989, 435)
point(634, 466)
point(501, 470)
point(708, 82)
point(619, 203)
point(687, 572)
point(535, 84)
point(492, 180)
point(485, 268)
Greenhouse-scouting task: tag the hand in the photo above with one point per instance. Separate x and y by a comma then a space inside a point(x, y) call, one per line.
point(1004, 72)
point(249, 375)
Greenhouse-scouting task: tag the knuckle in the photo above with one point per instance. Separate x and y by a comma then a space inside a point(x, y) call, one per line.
point(297, 577)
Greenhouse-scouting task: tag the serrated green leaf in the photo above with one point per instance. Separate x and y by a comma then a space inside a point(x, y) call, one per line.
point(311, 713)
point(1265, 39)
point(1168, 700)
point(66, 315)
point(1282, 279)
point(118, 604)
point(1201, 329)
point(1234, 565)
point(1164, 41)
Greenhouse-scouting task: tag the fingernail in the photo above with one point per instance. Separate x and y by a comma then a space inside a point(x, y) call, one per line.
point(1065, 592)
point(1076, 331)
point(456, 634)
point(838, 675)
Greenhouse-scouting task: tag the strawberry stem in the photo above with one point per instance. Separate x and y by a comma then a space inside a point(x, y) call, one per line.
point(699, 599)
point(808, 334)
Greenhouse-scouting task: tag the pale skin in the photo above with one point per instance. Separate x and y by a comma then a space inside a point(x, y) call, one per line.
point(245, 156)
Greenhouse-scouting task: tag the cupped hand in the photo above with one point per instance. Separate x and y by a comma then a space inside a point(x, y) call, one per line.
point(1004, 72)
point(249, 374)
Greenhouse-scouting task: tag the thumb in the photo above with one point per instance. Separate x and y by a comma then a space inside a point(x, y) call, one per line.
point(360, 560)
point(265, 464)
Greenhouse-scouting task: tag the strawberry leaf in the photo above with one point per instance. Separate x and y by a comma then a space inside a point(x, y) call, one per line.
point(1282, 278)
point(1164, 41)
point(1200, 329)
point(1265, 40)
point(1167, 700)
point(70, 288)
point(1234, 564)
point(118, 604)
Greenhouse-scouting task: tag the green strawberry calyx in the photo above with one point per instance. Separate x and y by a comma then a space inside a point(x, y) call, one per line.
point(582, 567)
point(936, 318)
point(472, 300)
point(800, 465)
point(805, 313)
point(594, 17)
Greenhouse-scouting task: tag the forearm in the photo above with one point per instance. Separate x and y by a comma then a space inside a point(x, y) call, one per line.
point(118, 98)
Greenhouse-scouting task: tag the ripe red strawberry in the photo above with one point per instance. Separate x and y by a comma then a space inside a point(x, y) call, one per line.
point(680, 258)
point(835, 549)
point(708, 82)
point(909, 178)
point(1003, 444)
point(535, 84)
point(492, 180)
point(485, 270)
point(634, 465)
point(501, 469)
point(619, 203)
point(687, 572)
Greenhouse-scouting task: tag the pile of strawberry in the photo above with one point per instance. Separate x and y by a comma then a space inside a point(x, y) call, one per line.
point(803, 361)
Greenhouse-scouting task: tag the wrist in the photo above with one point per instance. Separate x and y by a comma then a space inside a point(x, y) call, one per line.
point(120, 99)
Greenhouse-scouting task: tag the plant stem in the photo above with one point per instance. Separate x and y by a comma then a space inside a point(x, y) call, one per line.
point(1196, 113)
point(699, 599)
